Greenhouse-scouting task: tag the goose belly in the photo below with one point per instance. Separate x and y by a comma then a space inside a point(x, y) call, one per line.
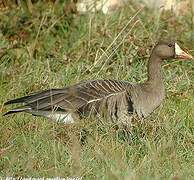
point(61, 117)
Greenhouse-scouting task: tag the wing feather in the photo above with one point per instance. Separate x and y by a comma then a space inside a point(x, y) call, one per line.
point(74, 98)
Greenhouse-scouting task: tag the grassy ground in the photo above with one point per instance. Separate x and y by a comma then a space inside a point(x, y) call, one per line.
point(46, 47)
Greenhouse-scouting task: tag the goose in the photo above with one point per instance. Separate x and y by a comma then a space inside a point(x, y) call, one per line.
point(117, 101)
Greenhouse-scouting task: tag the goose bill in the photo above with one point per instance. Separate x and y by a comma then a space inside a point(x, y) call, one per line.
point(179, 53)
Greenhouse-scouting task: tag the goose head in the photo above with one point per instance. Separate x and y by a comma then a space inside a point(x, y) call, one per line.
point(170, 50)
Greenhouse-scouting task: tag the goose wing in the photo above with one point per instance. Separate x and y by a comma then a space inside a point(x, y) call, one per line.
point(72, 98)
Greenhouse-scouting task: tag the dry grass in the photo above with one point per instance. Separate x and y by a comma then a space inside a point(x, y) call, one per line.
point(49, 48)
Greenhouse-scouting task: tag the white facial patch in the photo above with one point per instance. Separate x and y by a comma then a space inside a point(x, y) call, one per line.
point(178, 50)
point(181, 54)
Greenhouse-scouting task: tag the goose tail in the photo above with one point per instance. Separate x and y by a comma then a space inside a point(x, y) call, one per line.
point(17, 110)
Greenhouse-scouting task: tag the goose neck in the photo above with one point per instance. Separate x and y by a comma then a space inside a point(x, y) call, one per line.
point(154, 69)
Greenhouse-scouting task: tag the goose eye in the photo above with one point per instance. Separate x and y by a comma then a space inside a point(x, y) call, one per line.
point(169, 45)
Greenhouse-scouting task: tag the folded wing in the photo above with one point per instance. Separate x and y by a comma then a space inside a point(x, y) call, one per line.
point(81, 98)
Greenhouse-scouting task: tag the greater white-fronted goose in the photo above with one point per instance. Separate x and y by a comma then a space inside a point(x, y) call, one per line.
point(111, 99)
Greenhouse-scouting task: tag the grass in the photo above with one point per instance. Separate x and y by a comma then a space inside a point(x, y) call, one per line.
point(47, 48)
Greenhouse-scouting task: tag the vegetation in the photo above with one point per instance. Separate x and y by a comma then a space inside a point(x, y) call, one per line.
point(50, 45)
